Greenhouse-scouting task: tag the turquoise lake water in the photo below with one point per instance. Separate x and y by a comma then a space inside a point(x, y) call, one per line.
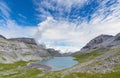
point(58, 63)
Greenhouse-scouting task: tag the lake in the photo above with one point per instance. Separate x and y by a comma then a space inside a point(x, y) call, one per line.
point(59, 63)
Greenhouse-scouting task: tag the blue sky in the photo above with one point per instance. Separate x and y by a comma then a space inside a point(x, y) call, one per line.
point(62, 24)
point(23, 12)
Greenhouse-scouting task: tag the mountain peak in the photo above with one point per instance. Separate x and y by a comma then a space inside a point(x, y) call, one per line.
point(95, 43)
point(117, 37)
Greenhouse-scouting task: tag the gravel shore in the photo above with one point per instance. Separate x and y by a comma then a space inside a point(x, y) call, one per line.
point(42, 67)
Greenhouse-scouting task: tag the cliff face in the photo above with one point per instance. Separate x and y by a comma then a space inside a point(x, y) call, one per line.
point(25, 49)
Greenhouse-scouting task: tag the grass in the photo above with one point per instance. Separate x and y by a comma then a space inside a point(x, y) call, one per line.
point(94, 75)
point(34, 73)
point(13, 65)
point(83, 57)
point(87, 56)
point(25, 54)
point(24, 73)
point(3, 58)
point(13, 71)
point(115, 74)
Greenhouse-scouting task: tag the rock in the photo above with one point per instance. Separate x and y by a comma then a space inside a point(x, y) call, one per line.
point(54, 52)
point(67, 54)
point(25, 49)
point(39, 66)
point(117, 37)
point(106, 62)
point(102, 41)
point(109, 48)
point(25, 40)
point(2, 37)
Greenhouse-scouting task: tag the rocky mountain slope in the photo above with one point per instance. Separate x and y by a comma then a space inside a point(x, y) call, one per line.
point(2, 37)
point(101, 54)
point(106, 62)
point(102, 41)
point(54, 52)
point(25, 40)
point(21, 49)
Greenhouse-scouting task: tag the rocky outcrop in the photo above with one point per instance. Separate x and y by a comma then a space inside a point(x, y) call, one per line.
point(25, 40)
point(67, 54)
point(54, 52)
point(102, 41)
point(25, 49)
point(42, 67)
point(2, 37)
point(103, 63)
point(109, 59)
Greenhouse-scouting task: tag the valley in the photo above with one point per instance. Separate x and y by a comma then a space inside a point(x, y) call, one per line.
point(100, 62)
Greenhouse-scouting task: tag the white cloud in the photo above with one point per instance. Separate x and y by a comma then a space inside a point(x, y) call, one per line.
point(107, 14)
point(12, 30)
point(9, 28)
point(71, 36)
point(59, 6)
point(62, 34)
point(53, 33)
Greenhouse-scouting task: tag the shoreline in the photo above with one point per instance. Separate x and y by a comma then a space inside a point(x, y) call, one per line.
point(42, 67)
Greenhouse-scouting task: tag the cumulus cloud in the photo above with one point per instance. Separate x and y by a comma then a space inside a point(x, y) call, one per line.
point(58, 34)
point(71, 36)
point(11, 29)
point(63, 27)
point(68, 37)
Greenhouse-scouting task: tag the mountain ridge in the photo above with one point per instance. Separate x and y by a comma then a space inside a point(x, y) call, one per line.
point(102, 41)
point(102, 55)
point(21, 49)
point(25, 40)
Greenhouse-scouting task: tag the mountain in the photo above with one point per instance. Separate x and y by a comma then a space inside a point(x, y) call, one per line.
point(17, 49)
point(54, 52)
point(102, 41)
point(25, 40)
point(2, 37)
point(101, 54)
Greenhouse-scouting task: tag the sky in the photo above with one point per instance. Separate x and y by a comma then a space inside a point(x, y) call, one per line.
point(65, 25)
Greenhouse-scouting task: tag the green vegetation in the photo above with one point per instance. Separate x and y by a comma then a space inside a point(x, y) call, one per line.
point(3, 58)
point(13, 71)
point(86, 56)
point(16, 70)
point(25, 54)
point(113, 74)
point(24, 73)
point(1, 55)
point(83, 57)
point(12, 65)
point(94, 75)
point(33, 73)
